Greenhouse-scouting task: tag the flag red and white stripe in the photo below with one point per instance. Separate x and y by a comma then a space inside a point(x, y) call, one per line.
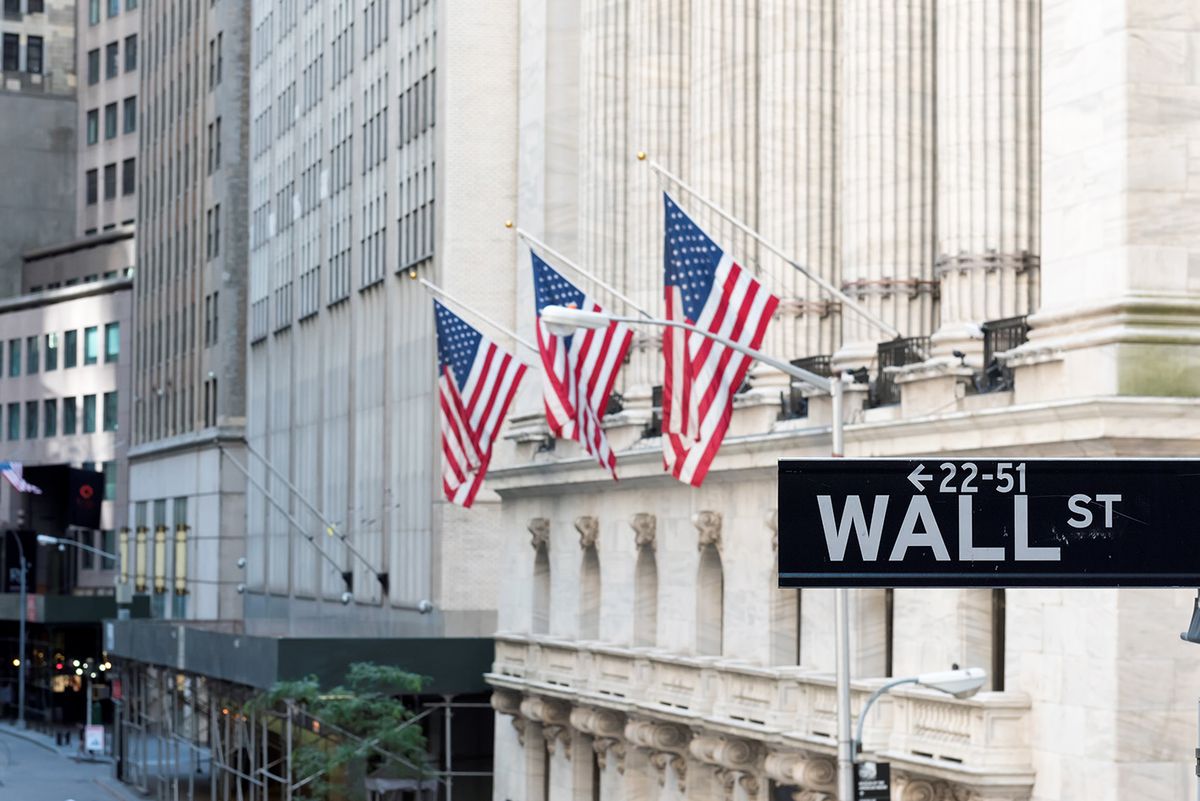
point(477, 382)
point(705, 288)
point(578, 370)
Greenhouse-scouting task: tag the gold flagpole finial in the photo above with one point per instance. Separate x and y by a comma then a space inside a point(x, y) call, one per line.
point(508, 223)
point(641, 155)
point(412, 273)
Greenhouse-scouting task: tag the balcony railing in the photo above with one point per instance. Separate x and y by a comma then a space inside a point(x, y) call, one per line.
point(793, 402)
point(984, 733)
point(896, 353)
point(1000, 336)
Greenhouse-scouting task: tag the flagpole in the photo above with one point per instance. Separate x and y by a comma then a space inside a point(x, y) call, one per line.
point(828, 287)
point(446, 295)
point(534, 242)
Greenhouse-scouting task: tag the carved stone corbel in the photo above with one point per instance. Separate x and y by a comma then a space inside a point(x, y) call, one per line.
point(556, 733)
point(657, 736)
point(508, 702)
point(664, 760)
point(731, 778)
point(539, 528)
point(589, 531)
point(645, 527)
point(709, 525)
point(916, 788)
point(603, 723)
point(725, 752)
point(606, 747)
point(813, 776)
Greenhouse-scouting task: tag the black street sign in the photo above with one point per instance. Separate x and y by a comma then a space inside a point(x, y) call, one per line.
point(873, 781)
point(1010, 522)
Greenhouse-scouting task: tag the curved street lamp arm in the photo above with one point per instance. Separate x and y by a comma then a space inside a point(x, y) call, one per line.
point(862, 716)
point(810, 378)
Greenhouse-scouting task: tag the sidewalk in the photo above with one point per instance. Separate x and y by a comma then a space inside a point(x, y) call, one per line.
point(34, 763)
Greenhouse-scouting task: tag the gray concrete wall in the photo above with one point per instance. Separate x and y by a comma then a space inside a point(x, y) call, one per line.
point(37, 163)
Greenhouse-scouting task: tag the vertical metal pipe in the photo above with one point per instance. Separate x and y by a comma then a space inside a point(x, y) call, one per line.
point(449, 751)
point(845, 755)
point(837, 394)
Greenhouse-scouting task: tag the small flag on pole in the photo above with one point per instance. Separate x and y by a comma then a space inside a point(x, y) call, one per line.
point(706, 288)
point(578, 371)
point(13, 472)
point(476, 384)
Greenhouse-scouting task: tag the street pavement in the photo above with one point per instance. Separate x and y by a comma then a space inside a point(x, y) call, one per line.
point(31, 770)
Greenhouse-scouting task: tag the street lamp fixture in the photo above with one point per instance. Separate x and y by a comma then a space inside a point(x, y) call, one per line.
point(960, 683)
point(62, 542)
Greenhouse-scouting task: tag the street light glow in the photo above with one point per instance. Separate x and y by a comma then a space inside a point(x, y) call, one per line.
point(563, 320)
point(46, 539)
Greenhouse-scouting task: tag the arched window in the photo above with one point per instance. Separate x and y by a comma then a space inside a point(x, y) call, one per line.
point(541, 591)
point(710, 603)
point(645, 599)
point(589, 595)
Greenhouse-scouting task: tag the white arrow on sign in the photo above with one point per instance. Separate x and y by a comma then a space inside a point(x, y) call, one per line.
point(916, 477)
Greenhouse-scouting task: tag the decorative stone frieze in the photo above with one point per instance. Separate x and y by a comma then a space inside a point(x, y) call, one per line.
point(645, 527)
point(589, 531)
point(539, 528)
point(709, 525)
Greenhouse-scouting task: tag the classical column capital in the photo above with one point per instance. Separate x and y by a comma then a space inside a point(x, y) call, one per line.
point(920, 788)
point(589, 531)
point(708, 523)
point(733, 753)
point(656, 736)
point(666, 760)
point(810, 772)
point(539, 528)
point(606, 747)
point(547, 711)
point(645, 527)
point(556, 733)
point(598, 722)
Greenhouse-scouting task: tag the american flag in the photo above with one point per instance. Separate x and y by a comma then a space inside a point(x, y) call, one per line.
point(476, 384)
point(13, 472)
point(706, 288)
point(578, 371)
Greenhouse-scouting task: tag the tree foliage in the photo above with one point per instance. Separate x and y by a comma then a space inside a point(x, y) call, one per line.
point(360, 729)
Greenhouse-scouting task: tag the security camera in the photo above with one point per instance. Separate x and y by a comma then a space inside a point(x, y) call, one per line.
point(425, 607)
point(241, 562)
point(241, 588)
point(347, 597)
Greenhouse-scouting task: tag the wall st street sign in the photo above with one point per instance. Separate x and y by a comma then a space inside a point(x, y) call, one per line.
point(940, 522)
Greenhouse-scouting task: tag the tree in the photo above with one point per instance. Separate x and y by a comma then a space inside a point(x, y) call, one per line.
point(355, 730)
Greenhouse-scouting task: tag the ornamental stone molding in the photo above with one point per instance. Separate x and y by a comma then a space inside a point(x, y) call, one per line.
point(732, 753)
point(589, 531)
point(547, 711)
point(773, 524)
point(507, 702)
point(645, 527)
point(606, 747)
point(665, 760)
point(539, 528)
point(709, 525)
point(657, 736)
point(602, 723)
point(554, 734)
point(915, 788)
point(812, 774)
point(730, 779)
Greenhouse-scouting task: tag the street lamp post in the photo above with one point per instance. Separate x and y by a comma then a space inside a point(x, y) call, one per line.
point(562, 320)
point(21, 635)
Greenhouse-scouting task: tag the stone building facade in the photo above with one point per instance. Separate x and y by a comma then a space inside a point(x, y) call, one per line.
point(1012, 187)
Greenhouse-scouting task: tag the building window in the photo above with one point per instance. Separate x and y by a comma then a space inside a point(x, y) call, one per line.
point(110, 481)
point(14, 357)
point(71, 347)
point(31, 419)
point(69, 416)
point(114, 7)
point(31, 355)
point(87, 558)
point(108, 537)
point(92, 188)
point(12, 52)
point(93, 126)
point(33, 55)
point(51, 352)
point(93, 67)
point(112, 59)
point(130, 114)
point(128, 177)
point(131, 53)
point(130, 5)
point(50, 418)
point(110, 181)
point(214, 231)
point(93, 12)
point(110, 411)
point(112, 342)
point(12, 8)
point(37, 6)
point(14, 421)
point(91, 345)
point(89, 414)
point(110, 121)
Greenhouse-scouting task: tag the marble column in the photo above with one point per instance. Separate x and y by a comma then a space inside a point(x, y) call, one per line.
point(887, 160)
point(660, 44)
point(1120, 203)
point(989, 127)
point(798, 171)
